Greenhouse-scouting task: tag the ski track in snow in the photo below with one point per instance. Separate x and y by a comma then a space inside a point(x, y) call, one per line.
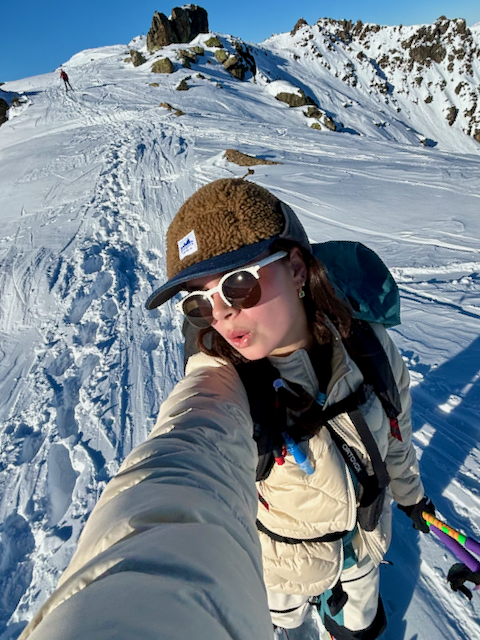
point(90, 183)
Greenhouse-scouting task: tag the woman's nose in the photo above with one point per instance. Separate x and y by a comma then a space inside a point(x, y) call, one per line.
point(221, 310)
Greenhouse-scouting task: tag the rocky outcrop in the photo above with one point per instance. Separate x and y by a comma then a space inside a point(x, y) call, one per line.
point(161, 32)
point(137, 57)
point(164, 65)
point(186, 57)
point(452, 114)
point(295, 99)
point(244, 160)
point(189, 21)
point(177, 112)
point(183, 26)
point(214, 41)
point(318, 114)
point(299, 24)
point(245, 61)
point(3, 111)
point(237, 64)
point(182, 85)
point(221, 55)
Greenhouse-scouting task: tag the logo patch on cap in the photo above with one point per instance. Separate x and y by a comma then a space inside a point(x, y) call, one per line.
point(187, 245)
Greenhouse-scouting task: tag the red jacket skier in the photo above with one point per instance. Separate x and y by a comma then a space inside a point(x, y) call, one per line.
point(64, 77)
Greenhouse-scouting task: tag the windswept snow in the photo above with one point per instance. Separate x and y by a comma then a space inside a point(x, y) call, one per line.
point(90, 181)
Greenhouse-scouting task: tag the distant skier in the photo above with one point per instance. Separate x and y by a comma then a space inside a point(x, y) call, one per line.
point(64, 77)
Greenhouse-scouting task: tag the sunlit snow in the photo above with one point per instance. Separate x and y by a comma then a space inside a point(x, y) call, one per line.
point(89, 182)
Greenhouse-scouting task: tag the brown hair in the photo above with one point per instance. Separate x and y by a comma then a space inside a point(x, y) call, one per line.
point(320, 301)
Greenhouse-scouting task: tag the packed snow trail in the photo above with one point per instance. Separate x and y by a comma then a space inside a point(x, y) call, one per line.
point(89, 183)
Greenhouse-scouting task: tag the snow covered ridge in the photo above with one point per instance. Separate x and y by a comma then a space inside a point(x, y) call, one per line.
point(433, 71)
point(417, 84)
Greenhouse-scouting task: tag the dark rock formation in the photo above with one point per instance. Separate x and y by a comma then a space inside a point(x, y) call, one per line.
point(184, 25)
point(230, 62)
point(186, 57)
point(181, 24)
point(313, 112)
point(137, 57)
point(182, 85)
point(161, 32)
point(198, 21)
point(452, 114)
point(294, 99)
point(329, 123)
point(300, 23)
point(3, 111)
point(246, 60)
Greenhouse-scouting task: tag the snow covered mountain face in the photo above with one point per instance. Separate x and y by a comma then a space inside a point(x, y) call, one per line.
point(424, 77)
point(89, 181)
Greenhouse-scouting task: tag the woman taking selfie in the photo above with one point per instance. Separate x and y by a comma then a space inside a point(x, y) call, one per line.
point(256, 292)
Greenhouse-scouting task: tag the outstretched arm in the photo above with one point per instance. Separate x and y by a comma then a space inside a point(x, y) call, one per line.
point(171, 549)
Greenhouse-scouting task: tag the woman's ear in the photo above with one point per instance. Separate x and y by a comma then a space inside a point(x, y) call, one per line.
point(298, 268)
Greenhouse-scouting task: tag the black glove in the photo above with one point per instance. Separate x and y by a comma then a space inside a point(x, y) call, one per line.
point(457, 576)
point(415, 513)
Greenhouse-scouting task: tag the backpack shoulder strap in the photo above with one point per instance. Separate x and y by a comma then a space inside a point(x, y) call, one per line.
point(368, 353)
point(268, 416)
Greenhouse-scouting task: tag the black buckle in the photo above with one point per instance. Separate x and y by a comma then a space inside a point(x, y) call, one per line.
point(337, 600)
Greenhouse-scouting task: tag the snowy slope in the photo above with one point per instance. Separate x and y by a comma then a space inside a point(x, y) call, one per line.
point(89, 182)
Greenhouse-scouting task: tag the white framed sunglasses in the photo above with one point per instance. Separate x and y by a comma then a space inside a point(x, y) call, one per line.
point(239, 289)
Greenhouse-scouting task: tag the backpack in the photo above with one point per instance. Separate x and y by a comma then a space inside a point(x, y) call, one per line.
point(361, 278)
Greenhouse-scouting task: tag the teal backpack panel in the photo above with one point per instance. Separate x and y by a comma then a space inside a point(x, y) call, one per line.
point(360, 277)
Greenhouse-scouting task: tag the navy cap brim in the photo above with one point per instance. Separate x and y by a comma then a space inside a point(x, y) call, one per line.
point(224, 262)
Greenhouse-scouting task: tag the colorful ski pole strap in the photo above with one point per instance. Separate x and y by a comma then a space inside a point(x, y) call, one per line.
point(465, 541)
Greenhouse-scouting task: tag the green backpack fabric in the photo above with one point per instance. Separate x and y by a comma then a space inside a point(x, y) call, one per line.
point(361, 277)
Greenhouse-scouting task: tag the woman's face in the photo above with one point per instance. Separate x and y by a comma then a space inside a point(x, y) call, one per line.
point(277, 325)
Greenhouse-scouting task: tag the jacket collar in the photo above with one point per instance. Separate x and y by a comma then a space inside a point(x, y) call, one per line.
point(297, 367)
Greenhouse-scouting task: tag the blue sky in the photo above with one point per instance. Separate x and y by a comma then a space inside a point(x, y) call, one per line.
point(37, 37)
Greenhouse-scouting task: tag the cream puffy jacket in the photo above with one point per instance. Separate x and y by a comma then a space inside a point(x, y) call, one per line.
point(300, 506)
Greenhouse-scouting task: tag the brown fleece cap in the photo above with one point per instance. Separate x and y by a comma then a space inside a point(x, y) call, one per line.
point(222, 226)
point(225, 216)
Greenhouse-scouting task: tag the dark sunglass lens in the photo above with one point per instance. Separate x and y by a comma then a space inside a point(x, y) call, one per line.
point(198, 311)
point(242, 290)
